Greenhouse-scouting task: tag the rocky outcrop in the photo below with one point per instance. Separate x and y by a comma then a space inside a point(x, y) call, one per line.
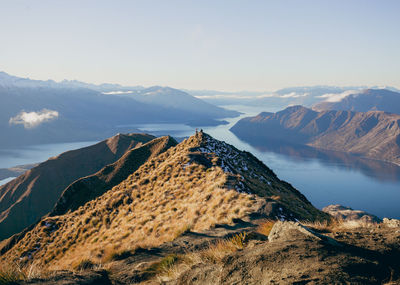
point(295, 255)
point(349, 215)
point(286, 231)
point(391, 223)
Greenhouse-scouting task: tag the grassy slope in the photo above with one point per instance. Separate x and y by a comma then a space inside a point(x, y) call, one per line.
point(197, 184)
point(22, 199)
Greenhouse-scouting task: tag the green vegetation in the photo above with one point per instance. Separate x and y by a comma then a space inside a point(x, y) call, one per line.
point(164, 265)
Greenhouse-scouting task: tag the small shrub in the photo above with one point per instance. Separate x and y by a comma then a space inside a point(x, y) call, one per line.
point(164, 265)
point(238, 240)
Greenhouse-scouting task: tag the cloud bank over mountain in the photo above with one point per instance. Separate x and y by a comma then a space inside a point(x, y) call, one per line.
point(336, 97)
point(33, 119)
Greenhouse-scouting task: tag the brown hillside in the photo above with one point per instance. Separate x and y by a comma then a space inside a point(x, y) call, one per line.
point(194, 185)
point(93, 186)
point(26, 199)
point(374, 134)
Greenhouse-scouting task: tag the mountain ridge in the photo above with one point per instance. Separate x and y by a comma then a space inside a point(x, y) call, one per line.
point(364, 101)
point(21, 200)
point(197, 183)
point(374, 134)
point(90, 187)
point(49, 112)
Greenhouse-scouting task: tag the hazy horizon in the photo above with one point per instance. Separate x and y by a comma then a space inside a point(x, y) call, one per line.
point(224, 45)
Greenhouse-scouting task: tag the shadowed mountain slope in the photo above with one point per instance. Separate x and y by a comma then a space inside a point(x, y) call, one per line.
point(373, 134)
point(93, 186)
point(194, 185)
point(176, 99)
point(364, 101)
point(27, 198)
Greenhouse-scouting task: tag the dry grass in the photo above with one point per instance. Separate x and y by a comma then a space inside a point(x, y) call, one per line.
point(156, 204)
point(146, 210)
point(214, 253)
point(9, 276)
point(218, 250)
point(14, 273)
point(164, 265)
point(84, 264)
point(265, 227)
point(181, 231)
point(112, 255)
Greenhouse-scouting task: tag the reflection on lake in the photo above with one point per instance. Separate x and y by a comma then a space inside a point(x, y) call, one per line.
point(324, 177)
point(373, 168)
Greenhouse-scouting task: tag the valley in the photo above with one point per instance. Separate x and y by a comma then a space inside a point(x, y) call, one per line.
point(199, 142)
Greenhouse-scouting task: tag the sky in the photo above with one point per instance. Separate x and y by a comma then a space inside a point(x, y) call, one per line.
point(226, 45)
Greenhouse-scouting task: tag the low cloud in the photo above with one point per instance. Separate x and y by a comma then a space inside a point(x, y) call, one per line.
point(251, 96)
point(33, 119)
point(294, 95)
point(117, 92)
point(336, 97)
point(223, 96)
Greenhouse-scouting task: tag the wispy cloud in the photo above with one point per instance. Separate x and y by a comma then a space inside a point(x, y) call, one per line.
point(261, 96)
point(117, 92)
point(294, 95)
point(33, 119)
point(336, 97)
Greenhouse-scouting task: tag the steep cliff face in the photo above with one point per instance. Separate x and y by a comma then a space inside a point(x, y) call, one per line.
point(374, 134)
point(27, 198)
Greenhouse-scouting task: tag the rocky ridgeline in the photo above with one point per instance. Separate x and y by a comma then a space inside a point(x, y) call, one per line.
point(204, 212)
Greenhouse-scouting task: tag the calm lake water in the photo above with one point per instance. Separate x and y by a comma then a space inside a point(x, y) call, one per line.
point(324, 177)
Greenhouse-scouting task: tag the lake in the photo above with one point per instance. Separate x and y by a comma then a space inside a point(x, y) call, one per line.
point(324, 177)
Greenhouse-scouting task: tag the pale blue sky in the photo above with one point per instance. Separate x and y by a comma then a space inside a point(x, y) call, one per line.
point(224, 45)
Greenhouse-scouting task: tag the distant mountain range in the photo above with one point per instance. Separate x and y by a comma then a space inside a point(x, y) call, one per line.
point(364, 101)
point(373, 134)
point(7, 80)
point(35, 112)
point(306, 96)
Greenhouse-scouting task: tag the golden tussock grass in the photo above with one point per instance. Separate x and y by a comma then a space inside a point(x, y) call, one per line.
point(146, 210)
point(214, 253)
point(179, 190)
point(12, 273)
point(265, 227)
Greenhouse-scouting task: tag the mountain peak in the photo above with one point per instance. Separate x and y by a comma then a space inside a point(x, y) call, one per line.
point(200, 182)
point(126, 141)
